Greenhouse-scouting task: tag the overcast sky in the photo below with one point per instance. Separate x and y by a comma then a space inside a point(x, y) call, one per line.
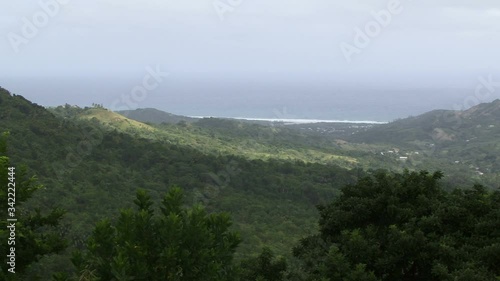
point(109, 36)
point(424, 43)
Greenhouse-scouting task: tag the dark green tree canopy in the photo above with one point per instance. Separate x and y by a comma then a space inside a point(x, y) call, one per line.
point(264, 267)
point(177, 244)
point(37, 231)
point(405, 227)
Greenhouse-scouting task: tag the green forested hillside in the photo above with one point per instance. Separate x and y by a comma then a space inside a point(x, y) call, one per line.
point(246, 206)
point(439, 126)
point(405, 227)
point(461, 143)
point(458, 142)
point(92, 172)
point(221, 136)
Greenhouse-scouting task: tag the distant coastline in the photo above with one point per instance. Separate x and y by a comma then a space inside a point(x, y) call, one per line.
point(296, 121)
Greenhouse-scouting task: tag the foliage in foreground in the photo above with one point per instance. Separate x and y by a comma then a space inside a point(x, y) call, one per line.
point(405, 227)
point(385, 227)
point(178, 244)
point(34, 234)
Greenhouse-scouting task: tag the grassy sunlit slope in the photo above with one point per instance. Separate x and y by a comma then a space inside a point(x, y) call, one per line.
point(262, 143)
point(114, 120)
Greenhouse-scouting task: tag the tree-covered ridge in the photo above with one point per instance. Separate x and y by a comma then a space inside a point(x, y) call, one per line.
point(462, 143)
point(438, 126)
point(92, 172)
point(219, 136)
point(466, 139)
point(422, 142)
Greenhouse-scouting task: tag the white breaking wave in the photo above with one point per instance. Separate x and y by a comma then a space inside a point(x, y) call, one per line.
point(295, 121)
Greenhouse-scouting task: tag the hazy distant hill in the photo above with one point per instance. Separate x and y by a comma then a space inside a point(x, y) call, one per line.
point(155, 116)
point(463, 143)
point(479, 122)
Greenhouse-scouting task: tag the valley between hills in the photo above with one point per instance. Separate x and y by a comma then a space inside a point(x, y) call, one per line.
point(268, 176)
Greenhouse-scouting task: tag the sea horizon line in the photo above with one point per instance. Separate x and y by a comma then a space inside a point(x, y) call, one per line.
point(297, 120)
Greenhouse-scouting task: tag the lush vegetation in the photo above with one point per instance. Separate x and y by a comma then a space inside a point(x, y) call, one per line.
point(405, 227)
point(92, 172)
point(155, 116)
point(31, 234)
point(246, 209)
point(461, 143)
point(178, 244)
point(219, 136)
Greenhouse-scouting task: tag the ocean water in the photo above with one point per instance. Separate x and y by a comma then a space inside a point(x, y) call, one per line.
point(299, 121)
point(264, 99)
